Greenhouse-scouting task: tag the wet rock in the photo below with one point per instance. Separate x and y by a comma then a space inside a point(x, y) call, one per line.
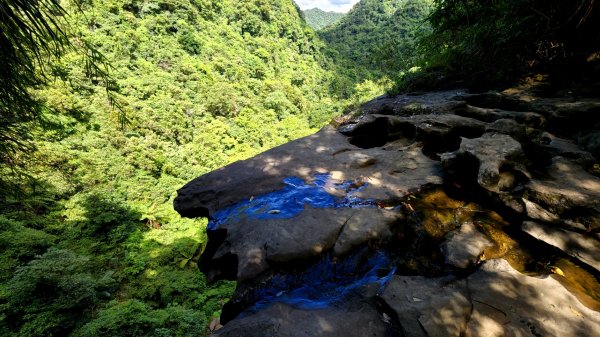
point(568, 191)
point(281, 320)
point(429, 306)
point(579, 246)
point(229, 185)
point(491, 152)
point(508, 303)
point(464, 246)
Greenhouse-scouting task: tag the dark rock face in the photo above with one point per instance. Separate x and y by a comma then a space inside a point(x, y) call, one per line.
point(324, 235)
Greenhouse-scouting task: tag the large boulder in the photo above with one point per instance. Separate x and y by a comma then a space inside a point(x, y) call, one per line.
point(319, 232)
point(489, 153)
point(246, 245)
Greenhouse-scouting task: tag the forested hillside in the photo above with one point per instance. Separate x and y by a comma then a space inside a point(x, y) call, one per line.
point(89, 242)
point(116, 104)
point(319, 19)
point(489, 44)
point(377, 38)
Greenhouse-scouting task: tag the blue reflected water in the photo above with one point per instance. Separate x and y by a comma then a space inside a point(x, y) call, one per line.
point(327, 282)
point(291, 201)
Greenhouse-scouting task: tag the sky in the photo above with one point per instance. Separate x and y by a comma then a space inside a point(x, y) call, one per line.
point(327, 5)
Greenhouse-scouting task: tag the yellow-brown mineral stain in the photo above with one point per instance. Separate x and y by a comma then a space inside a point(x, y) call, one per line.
point(440, 214)
point(579, 282)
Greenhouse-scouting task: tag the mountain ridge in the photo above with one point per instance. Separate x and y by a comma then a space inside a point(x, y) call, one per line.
point(319, 19)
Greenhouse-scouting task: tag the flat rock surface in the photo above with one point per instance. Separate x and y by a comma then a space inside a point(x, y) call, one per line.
point(390, 174)
point(429, 307)
point(508, 303)
point(577, 245)
point(569, 192)
point(364, 226)
point(283, 320)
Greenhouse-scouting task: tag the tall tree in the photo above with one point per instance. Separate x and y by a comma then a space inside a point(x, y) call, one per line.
point(500, 40)
point(31, 33)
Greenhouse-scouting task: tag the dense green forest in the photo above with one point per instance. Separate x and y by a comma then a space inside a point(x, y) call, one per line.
point(111, 106)
point(89, 243)
point(319, 19)
point(377, 39)
point(487, 44)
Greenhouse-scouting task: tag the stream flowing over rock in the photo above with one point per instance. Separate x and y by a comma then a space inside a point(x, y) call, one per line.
point(441, 214)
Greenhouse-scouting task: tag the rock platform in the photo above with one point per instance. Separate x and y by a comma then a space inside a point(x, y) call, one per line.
point(442, 214)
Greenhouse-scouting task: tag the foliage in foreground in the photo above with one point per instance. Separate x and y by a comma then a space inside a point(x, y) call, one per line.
point(92, 245)
point(489, 43)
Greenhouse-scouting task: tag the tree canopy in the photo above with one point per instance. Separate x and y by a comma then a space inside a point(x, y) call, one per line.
point(376, 39)
point(92, 246)
point(495, 41)
point(31, 34)
point(319, 19)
